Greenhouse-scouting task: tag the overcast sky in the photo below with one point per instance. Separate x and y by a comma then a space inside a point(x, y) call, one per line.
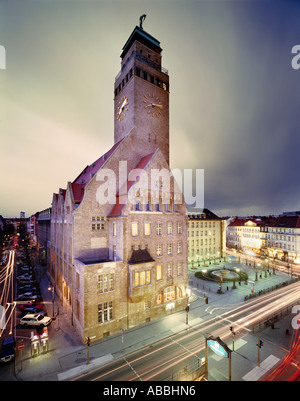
point(234, 96)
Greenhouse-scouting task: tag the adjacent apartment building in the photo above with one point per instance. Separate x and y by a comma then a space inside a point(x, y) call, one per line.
point(206, 237)
point(118, 248)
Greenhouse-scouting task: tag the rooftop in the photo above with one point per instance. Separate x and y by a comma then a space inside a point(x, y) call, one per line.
point(144, 38)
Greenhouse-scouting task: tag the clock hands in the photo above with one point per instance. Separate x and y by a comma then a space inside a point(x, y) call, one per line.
point(159, 106)
point(155, 108)
point(122, 108)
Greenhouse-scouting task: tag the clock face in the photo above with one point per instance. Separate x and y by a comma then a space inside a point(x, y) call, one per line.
point(152, 105)
point(122, 108)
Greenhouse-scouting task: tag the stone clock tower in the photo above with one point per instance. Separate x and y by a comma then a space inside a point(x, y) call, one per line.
point(141, 102)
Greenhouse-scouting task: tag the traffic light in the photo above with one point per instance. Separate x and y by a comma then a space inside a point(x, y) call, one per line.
point(187, 308)
point(260, 344)
point(206, 300)
point(88, 341)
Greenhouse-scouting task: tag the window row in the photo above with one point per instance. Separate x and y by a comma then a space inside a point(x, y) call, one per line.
point(202, 225)
point(159, 249)
point(142, 278)
point(106, 309)
point(157, 207)
point(200, 233)
point(158, 228)
point(210, 241)
point(142, 74)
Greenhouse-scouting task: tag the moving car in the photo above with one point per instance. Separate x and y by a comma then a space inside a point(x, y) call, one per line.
point(35, 320)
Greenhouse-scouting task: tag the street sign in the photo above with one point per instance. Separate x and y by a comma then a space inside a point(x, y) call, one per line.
point(218, 346)
point(20, 346)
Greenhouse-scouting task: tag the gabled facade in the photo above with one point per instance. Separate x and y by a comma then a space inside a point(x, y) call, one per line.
point(118, 253)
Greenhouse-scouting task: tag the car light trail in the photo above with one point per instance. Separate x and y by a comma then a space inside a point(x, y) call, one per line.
point(241, 317)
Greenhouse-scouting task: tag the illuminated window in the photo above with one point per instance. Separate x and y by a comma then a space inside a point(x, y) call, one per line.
point(134, 229)
point(147, 228)
point(169, 228)
point(158, 272)
point(159, 229)
point(169, 293)
point(142, 278)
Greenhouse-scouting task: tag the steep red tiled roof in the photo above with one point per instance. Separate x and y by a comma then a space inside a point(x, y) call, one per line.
point(283, 221)
point(86, 175)
point(237, 222)
point(131, 180)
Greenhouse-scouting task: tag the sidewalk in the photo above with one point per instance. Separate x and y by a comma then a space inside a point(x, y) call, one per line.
point(67, 352)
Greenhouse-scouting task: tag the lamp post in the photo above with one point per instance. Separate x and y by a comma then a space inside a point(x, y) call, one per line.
point(256, 279)
point(233, 334)
point(187, 309)
point(51, 287)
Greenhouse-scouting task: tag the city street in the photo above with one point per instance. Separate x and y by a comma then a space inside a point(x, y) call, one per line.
point(164, 359)
point(172, 348)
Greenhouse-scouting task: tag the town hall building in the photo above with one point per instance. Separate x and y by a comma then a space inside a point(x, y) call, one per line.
point(118, 251)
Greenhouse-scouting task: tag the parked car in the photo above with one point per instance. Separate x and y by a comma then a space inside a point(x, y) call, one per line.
point(28, 293)
point(26, 305)
point(33, 310)
point(8, 349)
point(27, 287)
point(23, 299)
point(25, 280)
point(24, 276)
point(35, 320)
point(24, 270)
point(31, 305)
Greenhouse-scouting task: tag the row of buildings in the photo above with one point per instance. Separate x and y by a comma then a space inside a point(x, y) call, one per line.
point(274, 237)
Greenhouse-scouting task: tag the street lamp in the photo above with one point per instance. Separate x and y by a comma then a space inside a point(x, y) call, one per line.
point(51, 287)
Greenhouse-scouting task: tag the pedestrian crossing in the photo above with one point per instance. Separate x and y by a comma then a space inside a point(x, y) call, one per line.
point(257, 372)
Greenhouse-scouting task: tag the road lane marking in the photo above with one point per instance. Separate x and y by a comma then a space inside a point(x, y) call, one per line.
point(132, 368)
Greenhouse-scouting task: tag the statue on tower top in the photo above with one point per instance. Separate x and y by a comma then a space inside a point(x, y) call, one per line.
point(142, 19)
